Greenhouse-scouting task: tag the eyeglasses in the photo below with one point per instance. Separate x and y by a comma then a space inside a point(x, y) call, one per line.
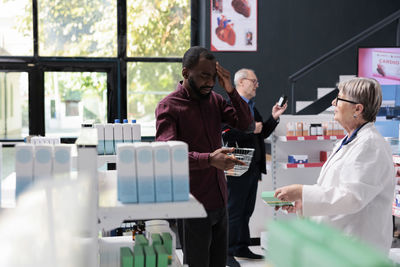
point(254, 81)
point(344, 100)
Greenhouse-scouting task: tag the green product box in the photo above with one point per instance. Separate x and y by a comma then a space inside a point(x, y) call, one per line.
point(141, 240)
point(156, 239)
point(268, 197)
point(126, 257)
point(167, 242)
point(150, 256)
point(162, 256)
point(138, 256)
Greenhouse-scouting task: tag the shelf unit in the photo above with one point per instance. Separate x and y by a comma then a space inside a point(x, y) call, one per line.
point(112, 212)
point(284, 173)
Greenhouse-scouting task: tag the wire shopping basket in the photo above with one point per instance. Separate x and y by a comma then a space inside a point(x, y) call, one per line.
point(242, 154)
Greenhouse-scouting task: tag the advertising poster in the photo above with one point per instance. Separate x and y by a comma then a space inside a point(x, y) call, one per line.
point(382, 64)
point(233, 25)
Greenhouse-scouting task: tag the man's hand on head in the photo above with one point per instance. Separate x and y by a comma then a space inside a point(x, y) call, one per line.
point(224, 78)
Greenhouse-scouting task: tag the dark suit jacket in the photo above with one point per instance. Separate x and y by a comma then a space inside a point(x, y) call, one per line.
point(248, 139)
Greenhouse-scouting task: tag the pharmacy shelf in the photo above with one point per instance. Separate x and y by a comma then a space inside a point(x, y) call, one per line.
point(300, 165)
point(309, 138)
point(112, 212)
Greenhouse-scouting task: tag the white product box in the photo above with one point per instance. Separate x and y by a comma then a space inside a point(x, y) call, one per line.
point(100, 138)
point(109, 139)
point(145, 172)
point(180, 170)
point(43, 162)
point(136, 132)
point(62, 160)
point(162, 171)
point(126, 173)
point(24, 158)
point(118, 134)
point(127, 132)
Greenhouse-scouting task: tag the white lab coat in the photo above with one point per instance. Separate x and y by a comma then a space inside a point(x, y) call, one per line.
point(355, 189)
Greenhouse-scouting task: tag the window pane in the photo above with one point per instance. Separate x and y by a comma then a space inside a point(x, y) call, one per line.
point(158, 28)
point(148, 83)
point(72, 98)
point(16, 35)
point(14, 115)
point(78, 28)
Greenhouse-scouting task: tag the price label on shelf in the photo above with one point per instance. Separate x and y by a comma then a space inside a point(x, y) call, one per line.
point(320, 137)
point(333, 137)
point(300, 138)
point(300, 166)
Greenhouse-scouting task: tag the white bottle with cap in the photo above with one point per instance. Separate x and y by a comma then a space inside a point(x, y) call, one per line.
point(127, 131)
point(109, 139)
point(100, 138)
point(136, 131)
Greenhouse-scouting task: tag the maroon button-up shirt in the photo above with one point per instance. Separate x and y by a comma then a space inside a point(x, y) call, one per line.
point(198, 123)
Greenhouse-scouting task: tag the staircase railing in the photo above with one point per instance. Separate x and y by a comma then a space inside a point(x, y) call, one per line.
point(341, 48)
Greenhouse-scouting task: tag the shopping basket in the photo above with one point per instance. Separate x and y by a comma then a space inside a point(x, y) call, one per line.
point(242, 154)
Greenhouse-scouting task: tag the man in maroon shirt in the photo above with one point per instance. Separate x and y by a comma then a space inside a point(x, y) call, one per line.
point(193, 113)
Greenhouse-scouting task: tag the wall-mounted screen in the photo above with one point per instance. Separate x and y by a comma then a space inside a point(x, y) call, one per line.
point(380, 63)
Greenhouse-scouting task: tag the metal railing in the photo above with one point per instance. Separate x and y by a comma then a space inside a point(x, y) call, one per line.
point(341, 48)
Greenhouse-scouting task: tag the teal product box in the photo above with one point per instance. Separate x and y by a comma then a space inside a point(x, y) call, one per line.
point(162, 171)
point(100, 138)
point(43, 162)
point(24, 158)
point(126, 173)
point(180, 170)
point(118, 134)
point(149, 256)
point(136, 131)
point(62, 161)
point(109, 139)
point(145, 172)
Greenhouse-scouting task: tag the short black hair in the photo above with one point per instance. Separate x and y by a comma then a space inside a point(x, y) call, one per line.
point(193, 54)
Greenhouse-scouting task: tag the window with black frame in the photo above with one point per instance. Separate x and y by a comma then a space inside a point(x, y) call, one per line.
point(66, 41)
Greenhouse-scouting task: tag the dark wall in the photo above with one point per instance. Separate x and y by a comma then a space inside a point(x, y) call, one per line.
point(293, 33)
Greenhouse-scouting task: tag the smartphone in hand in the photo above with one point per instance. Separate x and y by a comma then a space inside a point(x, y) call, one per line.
point(282, 100)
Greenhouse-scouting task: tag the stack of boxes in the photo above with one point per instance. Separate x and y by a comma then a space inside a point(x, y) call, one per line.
point(157, 252)
point(112, 134)
point(153, 172)
point(36, 162)
point(298, 243)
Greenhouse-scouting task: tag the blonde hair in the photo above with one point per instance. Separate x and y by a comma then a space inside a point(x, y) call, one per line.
point(365, 91)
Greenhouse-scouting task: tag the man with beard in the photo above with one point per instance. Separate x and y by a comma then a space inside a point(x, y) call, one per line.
point(193, 113)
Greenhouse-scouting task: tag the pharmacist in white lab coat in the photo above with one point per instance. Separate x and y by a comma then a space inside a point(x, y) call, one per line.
point(355, 188)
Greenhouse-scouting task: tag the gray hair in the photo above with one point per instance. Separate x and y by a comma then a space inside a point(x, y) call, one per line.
point(240, 74)
point(365, 91)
